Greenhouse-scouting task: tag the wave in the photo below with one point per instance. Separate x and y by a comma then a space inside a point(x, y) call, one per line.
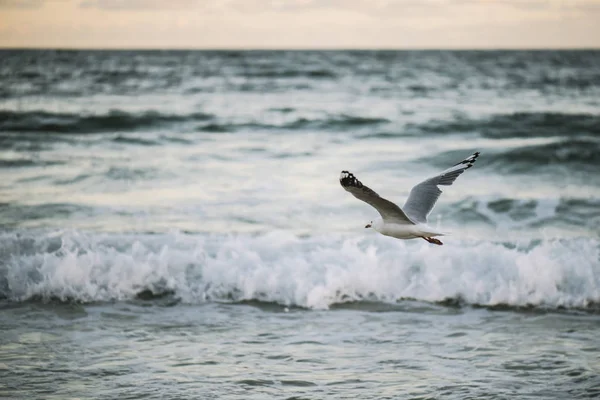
point(135, 140)
point(275, 72)
point(575, 156)
point(15, 214)
point(569, 152)
point(513, 125)
point(331, 123)
point(27, 162)
point(342, 121)
point(528, 214)
point(308, 272)
point(115, 120)
point(519, 124)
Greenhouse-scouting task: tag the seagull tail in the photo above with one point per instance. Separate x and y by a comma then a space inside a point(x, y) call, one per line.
point(428, 231)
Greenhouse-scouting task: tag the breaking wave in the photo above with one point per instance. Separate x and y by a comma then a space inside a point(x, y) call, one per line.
point(310, 272)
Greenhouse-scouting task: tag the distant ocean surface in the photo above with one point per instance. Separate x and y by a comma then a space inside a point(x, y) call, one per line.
point(172, 225)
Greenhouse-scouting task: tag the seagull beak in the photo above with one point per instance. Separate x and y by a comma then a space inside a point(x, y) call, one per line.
point(368, 226)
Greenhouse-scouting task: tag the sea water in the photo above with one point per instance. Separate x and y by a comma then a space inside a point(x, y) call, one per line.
point(172, 226)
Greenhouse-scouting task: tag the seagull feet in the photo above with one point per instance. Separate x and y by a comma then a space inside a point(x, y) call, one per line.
point(433, 240)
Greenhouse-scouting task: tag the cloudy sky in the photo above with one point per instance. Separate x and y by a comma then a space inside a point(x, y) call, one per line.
point(300, 23)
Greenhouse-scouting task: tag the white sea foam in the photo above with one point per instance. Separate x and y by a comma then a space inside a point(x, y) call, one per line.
point(312, 272)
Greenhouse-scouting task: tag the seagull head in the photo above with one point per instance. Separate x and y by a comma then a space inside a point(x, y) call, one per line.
point(370, 224)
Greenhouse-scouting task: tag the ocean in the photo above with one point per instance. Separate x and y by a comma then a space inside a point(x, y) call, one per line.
point(172, 225)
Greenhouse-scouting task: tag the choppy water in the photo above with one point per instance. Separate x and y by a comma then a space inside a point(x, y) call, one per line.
point(172, 225)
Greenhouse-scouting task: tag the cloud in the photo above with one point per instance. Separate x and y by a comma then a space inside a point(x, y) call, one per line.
point(398, 9)
point(141, 4)
point(21, 3)
point(378, 8)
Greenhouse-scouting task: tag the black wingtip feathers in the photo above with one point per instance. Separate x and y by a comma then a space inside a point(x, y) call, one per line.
point(469, 161)
point(348, 179)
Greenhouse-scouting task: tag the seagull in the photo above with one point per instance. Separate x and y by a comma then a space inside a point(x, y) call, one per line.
point(410, 221)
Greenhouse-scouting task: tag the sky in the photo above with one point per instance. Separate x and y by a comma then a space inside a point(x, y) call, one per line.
point(300, 24)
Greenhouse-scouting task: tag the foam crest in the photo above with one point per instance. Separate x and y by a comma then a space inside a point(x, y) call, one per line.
point(312, 272)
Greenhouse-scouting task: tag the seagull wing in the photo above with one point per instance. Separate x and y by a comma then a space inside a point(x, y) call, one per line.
point(389, 211)
point(423, 196)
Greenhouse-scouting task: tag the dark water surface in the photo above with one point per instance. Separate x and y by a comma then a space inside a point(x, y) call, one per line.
point(171, 225)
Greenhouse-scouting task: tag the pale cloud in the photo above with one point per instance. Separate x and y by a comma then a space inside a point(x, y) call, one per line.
point(376, 7)
point(416, 13)
point(384, 5)
point(21, 3)
point(141, 4)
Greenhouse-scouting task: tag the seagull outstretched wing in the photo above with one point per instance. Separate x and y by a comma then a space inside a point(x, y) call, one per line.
point(423, 196)
point(389, 211)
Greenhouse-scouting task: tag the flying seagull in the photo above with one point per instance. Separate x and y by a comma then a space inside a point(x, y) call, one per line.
point(410, 221)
